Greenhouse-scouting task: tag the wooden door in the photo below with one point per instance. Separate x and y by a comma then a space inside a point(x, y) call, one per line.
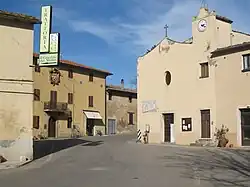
point(205, 124)
point(245, 127)
point(90, 127)
point(168, 120)
point(52, 127)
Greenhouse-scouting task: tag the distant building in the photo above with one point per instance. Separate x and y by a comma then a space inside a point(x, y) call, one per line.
point(188, 89)
point(16, 86)
point(69, 100)
point(121, 109)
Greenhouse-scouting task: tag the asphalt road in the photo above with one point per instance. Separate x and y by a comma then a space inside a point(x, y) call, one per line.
point(118, 162)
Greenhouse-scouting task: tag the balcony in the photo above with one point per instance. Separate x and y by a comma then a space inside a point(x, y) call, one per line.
point(55, 106)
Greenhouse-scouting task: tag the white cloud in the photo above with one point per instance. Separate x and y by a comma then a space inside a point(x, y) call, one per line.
point(149, 20)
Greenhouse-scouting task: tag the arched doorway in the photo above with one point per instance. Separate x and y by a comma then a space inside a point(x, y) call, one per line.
point(52, 127)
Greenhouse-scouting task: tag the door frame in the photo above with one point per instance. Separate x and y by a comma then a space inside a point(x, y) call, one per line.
point(93, 126)
point(240, 128)
point(115, 125)
point(210, 125)
point(49, 126)
point(170, 127)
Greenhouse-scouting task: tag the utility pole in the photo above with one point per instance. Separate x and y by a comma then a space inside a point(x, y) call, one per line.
point(166, 30)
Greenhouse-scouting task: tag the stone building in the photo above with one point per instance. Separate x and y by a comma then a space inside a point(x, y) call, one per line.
point(121, 109)
point(69, 100)
point(16, 86)
point(187, 90)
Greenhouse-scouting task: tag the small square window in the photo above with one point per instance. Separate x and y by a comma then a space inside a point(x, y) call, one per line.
point(246, 62)
point(204, 70)
point(186, 124)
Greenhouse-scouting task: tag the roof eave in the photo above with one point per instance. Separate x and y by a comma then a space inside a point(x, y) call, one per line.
point(221, 18)
point(108, 88)
point(232, 49)
point(14, 18)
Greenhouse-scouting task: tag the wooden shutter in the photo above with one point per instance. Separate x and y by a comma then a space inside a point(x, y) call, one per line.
point(91, 101)
point(131, 118)
point(36, 122)
point(70, 98)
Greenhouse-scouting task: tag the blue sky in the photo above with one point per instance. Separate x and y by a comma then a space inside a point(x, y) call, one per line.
point(111, 34)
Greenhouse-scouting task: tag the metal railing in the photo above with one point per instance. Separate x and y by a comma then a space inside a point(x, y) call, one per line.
point(55, 106)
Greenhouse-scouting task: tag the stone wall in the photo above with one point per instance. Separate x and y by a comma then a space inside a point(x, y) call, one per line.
point(118, 108)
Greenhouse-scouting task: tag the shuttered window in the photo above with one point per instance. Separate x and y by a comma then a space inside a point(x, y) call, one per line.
point(130, 118)
point(36, 122)
point(91, 101)
point(70, 98)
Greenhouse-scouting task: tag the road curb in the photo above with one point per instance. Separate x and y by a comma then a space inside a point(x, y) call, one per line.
point(187, 146)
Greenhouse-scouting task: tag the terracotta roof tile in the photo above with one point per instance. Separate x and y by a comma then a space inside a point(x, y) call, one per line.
point(19, 17)
point(240, 32)
point(71, 63)
point(243, 45)
point(225, 19)
point(119, 88)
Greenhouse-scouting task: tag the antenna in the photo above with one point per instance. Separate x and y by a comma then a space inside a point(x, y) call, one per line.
point(166, 30)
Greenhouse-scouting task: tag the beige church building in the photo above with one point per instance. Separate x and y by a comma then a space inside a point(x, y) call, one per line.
point(188, 89)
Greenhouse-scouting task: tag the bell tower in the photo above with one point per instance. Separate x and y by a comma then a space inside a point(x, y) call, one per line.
point(208, 28)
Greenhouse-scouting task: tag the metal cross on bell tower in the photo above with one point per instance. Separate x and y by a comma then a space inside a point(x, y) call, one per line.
point(166, 30)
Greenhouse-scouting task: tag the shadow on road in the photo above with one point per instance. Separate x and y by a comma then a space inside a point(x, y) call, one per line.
point(93, 143)
point(42, 148)
point(219, 167)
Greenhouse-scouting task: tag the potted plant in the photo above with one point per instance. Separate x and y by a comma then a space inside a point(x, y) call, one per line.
point(220, 135)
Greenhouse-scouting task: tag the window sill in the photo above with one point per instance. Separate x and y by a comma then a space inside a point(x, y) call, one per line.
point(245, 70)
point(204, 77)
point(205, 138)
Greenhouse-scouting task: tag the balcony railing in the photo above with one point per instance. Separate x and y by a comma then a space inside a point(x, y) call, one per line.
point(55, 106)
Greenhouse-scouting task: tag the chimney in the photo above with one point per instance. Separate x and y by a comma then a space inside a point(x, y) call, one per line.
point(122, 83)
